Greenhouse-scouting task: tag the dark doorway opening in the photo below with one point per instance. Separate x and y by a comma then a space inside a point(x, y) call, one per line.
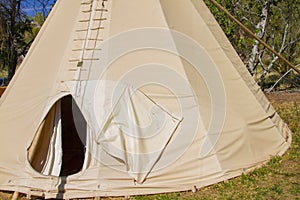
point(72, 144)
point(66, 118)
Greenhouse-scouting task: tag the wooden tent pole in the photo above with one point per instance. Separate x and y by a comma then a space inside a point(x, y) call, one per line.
point(15, 196)
point(255, 36)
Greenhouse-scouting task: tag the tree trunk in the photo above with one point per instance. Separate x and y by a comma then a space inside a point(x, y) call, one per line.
point(261, 28)
point(12, 34)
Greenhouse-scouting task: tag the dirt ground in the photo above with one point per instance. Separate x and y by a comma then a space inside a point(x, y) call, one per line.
point(281, 97)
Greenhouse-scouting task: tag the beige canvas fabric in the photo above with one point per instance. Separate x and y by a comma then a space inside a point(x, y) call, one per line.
point(158, 95)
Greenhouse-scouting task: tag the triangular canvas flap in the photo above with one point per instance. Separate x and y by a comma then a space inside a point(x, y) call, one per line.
point(126, 124)
point(137, 132)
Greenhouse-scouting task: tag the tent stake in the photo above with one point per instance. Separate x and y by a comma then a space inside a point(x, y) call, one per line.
point(15, 195)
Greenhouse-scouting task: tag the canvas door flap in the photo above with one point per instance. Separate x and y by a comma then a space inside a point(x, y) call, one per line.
point(126, 124)
point(137, 132)
point(54, 158)
point(45, 152)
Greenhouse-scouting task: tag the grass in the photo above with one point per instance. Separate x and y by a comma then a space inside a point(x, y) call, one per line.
point(278, 179)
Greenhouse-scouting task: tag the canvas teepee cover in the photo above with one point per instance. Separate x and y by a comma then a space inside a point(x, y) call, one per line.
point(119, 97)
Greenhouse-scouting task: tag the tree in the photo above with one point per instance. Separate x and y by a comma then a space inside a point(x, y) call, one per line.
point(284, 35)
point(41, 6)
point(18, 30)
point(260, 32)
point(14, 23)
point(274, 21)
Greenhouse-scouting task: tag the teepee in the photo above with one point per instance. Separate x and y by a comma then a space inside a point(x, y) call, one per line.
point(119, 97)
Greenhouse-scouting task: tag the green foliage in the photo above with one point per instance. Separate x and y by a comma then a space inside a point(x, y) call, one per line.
point(3, 73)
point(227, 25)
point(17, 31)
point(282, 23)
point(39, 18)
point(13, 27)
point(36, 25)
